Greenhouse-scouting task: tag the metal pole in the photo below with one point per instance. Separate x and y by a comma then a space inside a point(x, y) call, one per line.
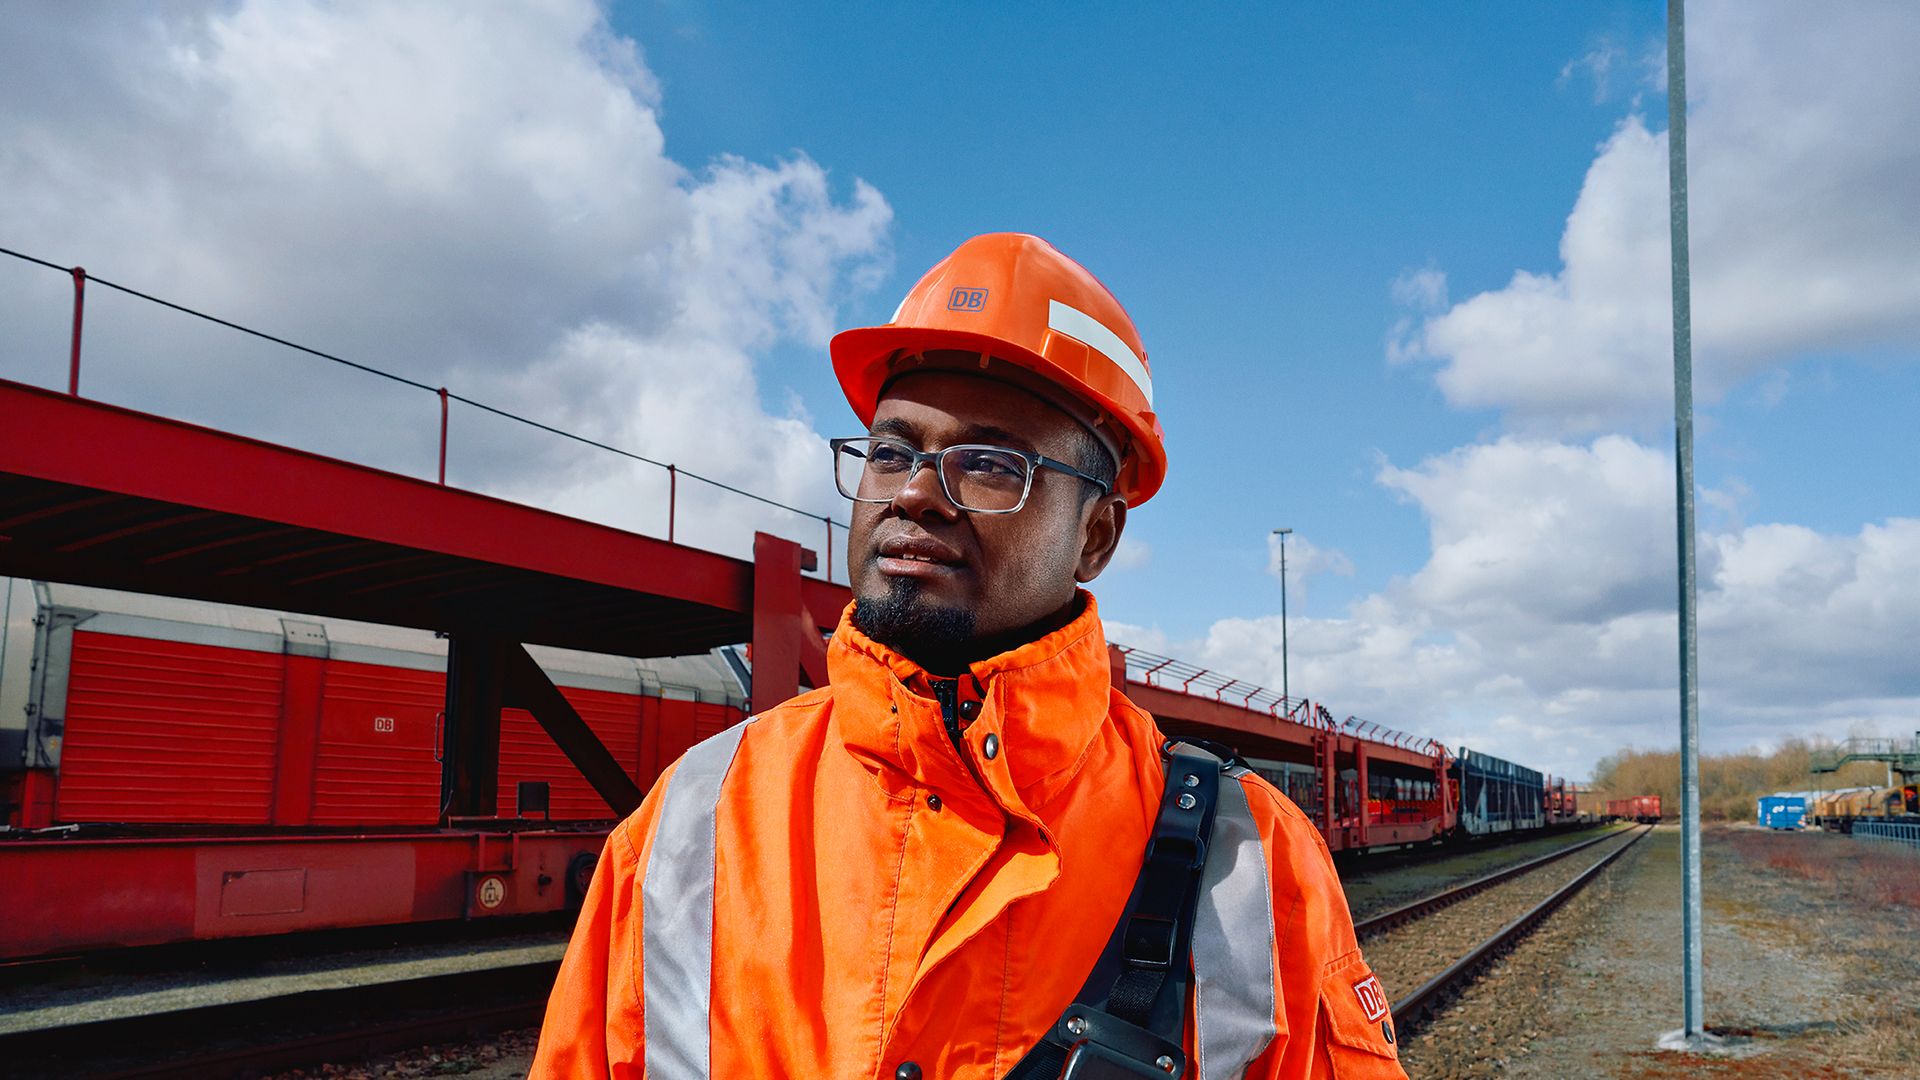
point(79, 307)
point(1286, 691)
point(443, 436)
point(1683, 464)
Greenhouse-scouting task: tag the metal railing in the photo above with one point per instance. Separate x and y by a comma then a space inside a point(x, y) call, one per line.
point(1897, 832)
point(442, 395)
point(1380, 733)
point(1902, 754)
point(1166, 673)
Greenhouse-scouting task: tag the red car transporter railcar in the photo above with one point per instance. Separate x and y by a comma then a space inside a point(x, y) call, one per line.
point(268, 773)
point(262, 755)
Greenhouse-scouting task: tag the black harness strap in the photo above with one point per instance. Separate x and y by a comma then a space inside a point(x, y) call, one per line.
point(1135, 1000)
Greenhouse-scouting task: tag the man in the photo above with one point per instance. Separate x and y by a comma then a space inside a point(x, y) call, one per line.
point(910, 873)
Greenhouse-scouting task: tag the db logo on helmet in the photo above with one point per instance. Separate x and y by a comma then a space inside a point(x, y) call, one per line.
point(966, 299)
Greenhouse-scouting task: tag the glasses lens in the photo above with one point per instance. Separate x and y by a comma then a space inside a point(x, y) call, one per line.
point(985, 477)
point(871, 470)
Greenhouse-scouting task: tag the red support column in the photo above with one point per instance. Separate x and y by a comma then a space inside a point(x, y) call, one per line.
point(786, 639)
point(1366, 802)
point(36, 798)
point(1327, 746)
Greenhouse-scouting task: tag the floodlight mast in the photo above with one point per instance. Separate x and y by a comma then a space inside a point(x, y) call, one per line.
point(1690, 915)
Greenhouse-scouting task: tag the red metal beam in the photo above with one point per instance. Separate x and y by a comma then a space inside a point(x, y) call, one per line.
point(528, 687)
point(89, 444)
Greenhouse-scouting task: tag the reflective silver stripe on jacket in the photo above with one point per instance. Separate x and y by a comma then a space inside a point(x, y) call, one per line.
point(1233, 942)
point(676, 898)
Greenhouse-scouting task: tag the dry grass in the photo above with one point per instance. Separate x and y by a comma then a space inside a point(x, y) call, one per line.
point(1860, 903)
point(1877, 874)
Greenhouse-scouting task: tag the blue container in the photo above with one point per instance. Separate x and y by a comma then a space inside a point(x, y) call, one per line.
point(1782, 811)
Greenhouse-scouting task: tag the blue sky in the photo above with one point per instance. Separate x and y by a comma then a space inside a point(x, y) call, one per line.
point(1400, 269)
point(1250, 184)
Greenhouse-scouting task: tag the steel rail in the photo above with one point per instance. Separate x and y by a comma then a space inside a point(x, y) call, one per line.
point(1364, 862)
point(1427, 905)
point(292, 1030)
point(1415, 1007)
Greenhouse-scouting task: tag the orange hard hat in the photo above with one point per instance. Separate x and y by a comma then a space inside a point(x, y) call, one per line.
point(1017, 299)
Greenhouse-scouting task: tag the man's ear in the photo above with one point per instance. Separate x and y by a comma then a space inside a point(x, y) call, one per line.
point(1105, 520)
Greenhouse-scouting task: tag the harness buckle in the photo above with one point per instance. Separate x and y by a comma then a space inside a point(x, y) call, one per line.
point(1150, 942)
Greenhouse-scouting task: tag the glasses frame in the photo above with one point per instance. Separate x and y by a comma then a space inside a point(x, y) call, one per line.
point(936, 458)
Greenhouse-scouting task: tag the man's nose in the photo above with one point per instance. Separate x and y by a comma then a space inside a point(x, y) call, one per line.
point(922, 495)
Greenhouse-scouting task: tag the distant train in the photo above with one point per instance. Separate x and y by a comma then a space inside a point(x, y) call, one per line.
point(1644, 809)
point(1838, 811)
point(1498, 796)
point(1481, 795)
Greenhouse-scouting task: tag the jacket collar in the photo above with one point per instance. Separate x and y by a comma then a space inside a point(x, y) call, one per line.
point(1043, 701)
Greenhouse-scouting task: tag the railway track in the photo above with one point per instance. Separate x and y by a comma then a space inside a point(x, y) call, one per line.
point(1415, 1007)
point(1354, 865)
point(1426, 905)
point(357, 1022)
point(341, 1023)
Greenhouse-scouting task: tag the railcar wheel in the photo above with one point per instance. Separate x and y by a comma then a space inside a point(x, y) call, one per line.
point(579, 876)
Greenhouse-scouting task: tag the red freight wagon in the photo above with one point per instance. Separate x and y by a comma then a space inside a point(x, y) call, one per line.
point(289, 764)
point(1642, 808)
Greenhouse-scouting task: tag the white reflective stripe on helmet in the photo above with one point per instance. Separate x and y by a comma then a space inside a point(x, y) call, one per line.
point(676, 899)
point(1075, 323)
point(1233, 942)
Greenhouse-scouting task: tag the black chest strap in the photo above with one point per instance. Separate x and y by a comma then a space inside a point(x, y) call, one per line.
point(1131, 1013)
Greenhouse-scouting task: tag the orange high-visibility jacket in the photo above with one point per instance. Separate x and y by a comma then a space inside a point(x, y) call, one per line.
point(840, 888)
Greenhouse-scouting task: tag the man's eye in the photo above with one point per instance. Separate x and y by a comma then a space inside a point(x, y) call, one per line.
point(887, 457)
point(991, 464)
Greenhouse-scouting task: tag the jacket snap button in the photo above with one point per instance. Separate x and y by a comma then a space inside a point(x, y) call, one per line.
point(933, 802)
point(991, 746)
point(907, 1071)
point(969, 709)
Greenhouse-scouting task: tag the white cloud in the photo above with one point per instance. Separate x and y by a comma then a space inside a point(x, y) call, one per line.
point(1804, 223)
point(1423, 290)
point(1599, 64)
point(1132, 554)
point(1542, 626)
point(472, 195)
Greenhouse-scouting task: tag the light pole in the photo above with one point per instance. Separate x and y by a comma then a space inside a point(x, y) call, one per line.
point(1692, 964)
point(1285, 690)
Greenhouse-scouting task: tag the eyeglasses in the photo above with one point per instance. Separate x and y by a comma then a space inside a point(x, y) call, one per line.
point(976, 478)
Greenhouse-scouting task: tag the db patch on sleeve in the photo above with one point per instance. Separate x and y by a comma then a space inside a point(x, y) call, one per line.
point(1373, 1000)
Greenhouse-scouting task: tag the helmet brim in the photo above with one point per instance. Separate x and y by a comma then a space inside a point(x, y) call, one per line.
point(863, 362)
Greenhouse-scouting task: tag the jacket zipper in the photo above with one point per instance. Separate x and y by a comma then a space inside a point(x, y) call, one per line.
point(947, 693)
